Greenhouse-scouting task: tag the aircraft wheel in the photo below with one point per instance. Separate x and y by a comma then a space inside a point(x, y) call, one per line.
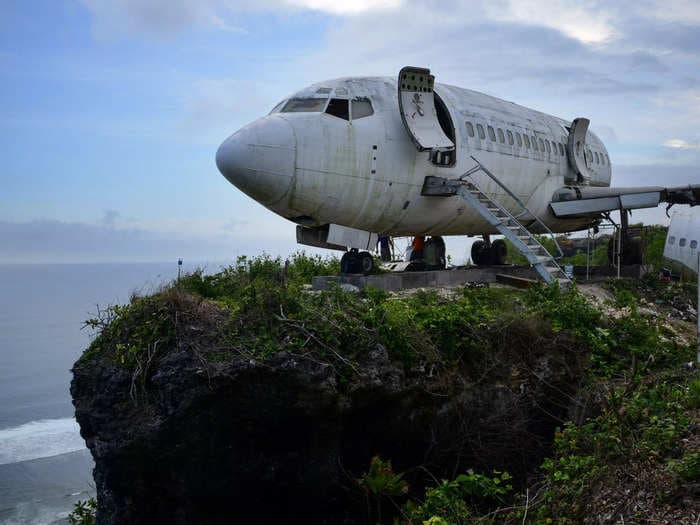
point(498, 252)
point(480, 253)
point(366, 262)
point(350, 262)
point(439, 243)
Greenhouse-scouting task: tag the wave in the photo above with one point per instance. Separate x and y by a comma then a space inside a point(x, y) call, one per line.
point(40, 439)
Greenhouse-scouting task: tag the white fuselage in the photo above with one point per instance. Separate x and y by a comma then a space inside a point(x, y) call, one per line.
point(683, 239)
point(366, 173)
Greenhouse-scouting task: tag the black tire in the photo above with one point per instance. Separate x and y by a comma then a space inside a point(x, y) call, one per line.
point(366, 262)
point(498, 252)
point(480, 252)
point(350, 262)
point(439, 242)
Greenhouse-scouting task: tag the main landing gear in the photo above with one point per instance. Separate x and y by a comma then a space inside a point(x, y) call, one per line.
point(355, 261)
point(485, 253)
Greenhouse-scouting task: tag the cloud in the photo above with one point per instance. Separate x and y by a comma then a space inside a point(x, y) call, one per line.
point(215, 105)
point(59, 241)
point(681, 144)
point(113, 18)
point(109, 219)
point(164, 18)
point(345, 7)
point(683, 11)
point(587, 22)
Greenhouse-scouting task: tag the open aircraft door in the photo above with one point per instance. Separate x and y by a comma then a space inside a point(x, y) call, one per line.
point(419, 114)
point(576, 148)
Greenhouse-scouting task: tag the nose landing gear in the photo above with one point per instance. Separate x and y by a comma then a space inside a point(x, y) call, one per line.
point(355, 261)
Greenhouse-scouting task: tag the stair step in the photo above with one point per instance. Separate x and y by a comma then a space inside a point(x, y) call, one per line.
point(546, 265)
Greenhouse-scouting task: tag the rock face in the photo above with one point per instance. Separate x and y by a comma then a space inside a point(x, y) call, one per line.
point(283, 440)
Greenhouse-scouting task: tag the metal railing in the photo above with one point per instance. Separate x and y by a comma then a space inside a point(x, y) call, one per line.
point(480, 167)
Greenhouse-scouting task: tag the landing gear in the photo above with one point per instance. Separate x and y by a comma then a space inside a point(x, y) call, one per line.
point(354, 261)
point(485, 253)
point(434, 254)
point(366, 262)
point(480, 253)
point(499, 252)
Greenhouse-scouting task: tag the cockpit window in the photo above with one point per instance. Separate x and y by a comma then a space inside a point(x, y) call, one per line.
point(304, 105)
point(277, 107)
point(361, 108)
point(338, 107)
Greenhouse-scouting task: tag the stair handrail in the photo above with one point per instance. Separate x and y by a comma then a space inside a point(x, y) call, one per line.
point(480, 167)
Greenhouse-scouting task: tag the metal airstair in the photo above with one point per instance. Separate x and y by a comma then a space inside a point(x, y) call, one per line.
point(503, 220)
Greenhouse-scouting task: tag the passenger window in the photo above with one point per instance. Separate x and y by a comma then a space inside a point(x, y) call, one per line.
point(470, 129)
point(492, 133)
point(480, 129)
point(304, 105)
point(361, 108)
point(501, 136)
point(554, 147)
point(541, 146)
point(546, 145)
point(534, 143)
point(561, 149)
point(518, 139)
point(693, 245)
point(589, 156)
point(510, 136)
point(338, 107)
point(597, 160)
point(681, 243)
point(672, 240)
point(527, 141)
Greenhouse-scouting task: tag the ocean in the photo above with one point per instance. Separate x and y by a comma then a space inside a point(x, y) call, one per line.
point(44, 465)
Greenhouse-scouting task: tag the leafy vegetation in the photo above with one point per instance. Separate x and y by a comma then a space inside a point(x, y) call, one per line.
point(638, 397)
point(654, 238)
point(83, 512)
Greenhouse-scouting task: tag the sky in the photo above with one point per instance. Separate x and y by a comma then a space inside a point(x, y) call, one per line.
point(111, 111)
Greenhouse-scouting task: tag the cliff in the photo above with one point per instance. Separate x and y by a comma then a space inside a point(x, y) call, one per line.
point(242, 397)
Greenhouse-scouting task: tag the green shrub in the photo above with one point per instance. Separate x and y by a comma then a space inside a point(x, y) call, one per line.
point(83, 512)
point(458, 501)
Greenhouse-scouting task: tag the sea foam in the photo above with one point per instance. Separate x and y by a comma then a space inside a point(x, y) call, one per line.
point(39, 439)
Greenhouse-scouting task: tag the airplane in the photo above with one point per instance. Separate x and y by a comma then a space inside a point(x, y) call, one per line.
point(355, 160)
point(682, 240)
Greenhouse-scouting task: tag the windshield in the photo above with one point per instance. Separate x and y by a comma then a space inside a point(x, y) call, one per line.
point(309, 105)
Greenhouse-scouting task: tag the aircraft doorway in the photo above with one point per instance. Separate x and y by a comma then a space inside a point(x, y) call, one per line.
point(447, 157)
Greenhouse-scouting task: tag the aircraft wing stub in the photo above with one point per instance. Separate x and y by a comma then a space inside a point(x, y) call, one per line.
point(572, 201)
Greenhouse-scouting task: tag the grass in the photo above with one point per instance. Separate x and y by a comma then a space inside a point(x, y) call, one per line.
point(640, 397)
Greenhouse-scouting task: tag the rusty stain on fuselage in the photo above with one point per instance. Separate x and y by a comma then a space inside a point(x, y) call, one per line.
point(334, 159)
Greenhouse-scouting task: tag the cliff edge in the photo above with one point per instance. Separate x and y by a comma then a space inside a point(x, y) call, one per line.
point(243, 397)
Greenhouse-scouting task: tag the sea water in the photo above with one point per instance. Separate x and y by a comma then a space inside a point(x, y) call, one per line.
point(44, 465)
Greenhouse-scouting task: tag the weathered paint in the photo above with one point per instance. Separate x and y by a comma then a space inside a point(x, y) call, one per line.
point(332, 180)
point(683, 239)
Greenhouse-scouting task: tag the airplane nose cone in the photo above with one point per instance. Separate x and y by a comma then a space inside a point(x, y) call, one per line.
point(259, 159)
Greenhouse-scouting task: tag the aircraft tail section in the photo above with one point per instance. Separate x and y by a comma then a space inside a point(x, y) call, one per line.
point(573, 201)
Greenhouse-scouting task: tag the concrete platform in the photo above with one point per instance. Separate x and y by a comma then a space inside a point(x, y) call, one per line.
point(406, 280)
point(393, 281)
